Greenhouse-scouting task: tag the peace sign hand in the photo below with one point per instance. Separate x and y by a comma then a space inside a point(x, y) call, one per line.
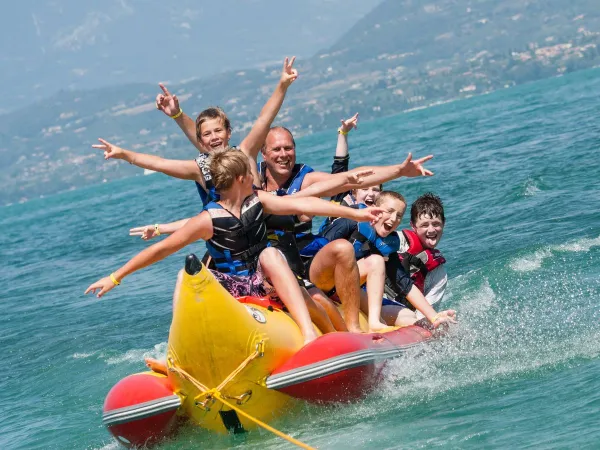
point(354, 179)
point(349, 124)
point(410, 168)
point(288, 74)
point(166, 102)
point(147, 232)
point(110, 150)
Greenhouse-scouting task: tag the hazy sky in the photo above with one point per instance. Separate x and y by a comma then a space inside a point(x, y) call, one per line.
point(85, 44)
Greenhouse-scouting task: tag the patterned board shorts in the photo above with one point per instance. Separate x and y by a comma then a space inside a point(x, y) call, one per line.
point(255, 285)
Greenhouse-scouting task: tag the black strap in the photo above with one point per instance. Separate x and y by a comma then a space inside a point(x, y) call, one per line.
point(409, 261)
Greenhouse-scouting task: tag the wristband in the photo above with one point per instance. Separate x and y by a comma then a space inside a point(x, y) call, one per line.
point(342, 132)
point(435, 318)
point(176, 116)
point(114, 280)
point(156, 230)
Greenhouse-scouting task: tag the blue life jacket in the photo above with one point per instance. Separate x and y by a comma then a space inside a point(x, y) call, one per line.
point(347, 200)
point(286, 238)
point(291, 186)
point(366, 241)
point(236, 243)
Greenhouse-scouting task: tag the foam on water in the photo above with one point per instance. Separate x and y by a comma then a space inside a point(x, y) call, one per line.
point(534, 261)
point(136, 355)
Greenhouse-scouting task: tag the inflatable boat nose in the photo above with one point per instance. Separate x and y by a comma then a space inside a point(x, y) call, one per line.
point(192, 264)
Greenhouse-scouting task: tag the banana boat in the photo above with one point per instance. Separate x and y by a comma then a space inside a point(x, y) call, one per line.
point(235, 364)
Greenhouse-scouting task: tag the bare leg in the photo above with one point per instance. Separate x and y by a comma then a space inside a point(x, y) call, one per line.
point(335, 266)
point(177, 287)
point(399, 316)
point(318, 314)
point(372, 270)
point(332, 312)
point(276, 269)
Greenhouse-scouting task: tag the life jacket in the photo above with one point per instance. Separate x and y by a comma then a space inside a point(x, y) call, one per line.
point(209, 194)
point(419, 261)
point(237, 243)
point(347, 200)
point(294, 234)
point(291, 186)
point(366, 241)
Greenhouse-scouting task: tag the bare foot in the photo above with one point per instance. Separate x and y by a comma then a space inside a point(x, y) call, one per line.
point(379, 327)
point(157, 366)
point(309, 337)
point(357, 330)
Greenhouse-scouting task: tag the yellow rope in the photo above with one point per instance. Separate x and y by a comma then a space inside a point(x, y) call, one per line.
point(216, 394)
point(264, 425)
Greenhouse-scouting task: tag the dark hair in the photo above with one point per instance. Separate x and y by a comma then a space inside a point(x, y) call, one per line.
point(429, 204)
point(279, 127)
point(214, 112)
point(390, 194)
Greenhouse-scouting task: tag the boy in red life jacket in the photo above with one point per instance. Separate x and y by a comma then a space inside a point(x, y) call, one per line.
point(418, 254)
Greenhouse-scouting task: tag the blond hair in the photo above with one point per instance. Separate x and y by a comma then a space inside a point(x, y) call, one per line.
point(389, 194)
point(226, 165)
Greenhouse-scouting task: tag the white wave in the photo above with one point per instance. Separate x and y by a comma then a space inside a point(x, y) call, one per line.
point(534, 261)
point(136, 355)
point(82, 355)
point(531, 188)
point(113, 445)
point(581, 245)
point(480, 302)
point(527, 263)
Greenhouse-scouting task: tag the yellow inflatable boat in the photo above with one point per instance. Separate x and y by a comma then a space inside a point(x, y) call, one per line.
point(234, 364)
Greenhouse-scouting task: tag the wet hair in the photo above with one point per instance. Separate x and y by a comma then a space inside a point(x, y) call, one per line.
point(225, 166)
point(277, 128)
point(214, 112)
point(389, 194)
point(429, 204)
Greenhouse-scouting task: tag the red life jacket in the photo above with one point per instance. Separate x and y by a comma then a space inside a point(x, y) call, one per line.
point(418, 261)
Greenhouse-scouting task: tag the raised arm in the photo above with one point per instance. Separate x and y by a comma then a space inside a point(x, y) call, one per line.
point(183, 169)
point(200, 227)
point(312, 206)
point(381, 174)
point(252, 143)
point(341, 150)
point(335, 184)
point(169, 104)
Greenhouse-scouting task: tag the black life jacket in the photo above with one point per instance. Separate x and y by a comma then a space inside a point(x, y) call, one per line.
point(237, 243)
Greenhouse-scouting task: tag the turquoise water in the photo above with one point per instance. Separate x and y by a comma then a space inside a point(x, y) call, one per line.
point(519, 173)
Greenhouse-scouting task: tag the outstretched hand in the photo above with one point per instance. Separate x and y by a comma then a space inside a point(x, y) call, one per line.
point(348, 124)
point(448, 316)
point(147, 232)
point(103, 284)
point(354, 179)
point(288, 74)
point(414, 168)
point(166, 102)
point(110, 150)
point(370, 214)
